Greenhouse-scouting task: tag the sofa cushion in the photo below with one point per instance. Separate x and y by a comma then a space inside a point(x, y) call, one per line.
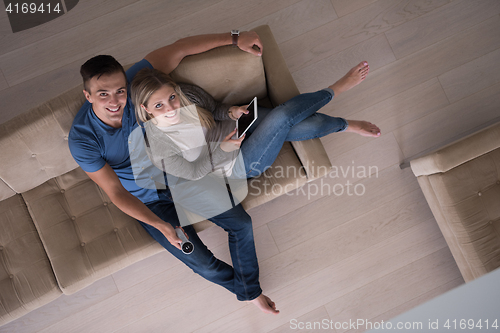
point(26, 278)
point(468, 198)
point(34, 145)
point(209, 70)
point(85, 235)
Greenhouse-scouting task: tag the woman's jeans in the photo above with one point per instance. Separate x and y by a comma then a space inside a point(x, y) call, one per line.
point(294, 120)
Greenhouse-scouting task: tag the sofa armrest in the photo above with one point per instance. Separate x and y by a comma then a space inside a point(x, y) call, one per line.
point(458, 152)
point(281, 87)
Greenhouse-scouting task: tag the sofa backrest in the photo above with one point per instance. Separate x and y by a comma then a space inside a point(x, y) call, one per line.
point(227, 73)
point(34, 146)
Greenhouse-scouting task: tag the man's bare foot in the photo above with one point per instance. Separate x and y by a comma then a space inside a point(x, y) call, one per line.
point(265, 304)
point(363, 128)
point(354, 77)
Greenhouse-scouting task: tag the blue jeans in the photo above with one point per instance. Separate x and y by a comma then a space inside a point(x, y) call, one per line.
point(294, 120)
point(243, 278)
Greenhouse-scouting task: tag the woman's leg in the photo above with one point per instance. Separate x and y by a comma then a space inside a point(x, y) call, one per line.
point(266, 138)
point(315, 126)
point(261, 148)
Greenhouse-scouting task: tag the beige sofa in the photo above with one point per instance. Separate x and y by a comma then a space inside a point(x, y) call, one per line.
point(59, 232)
point(461, 183)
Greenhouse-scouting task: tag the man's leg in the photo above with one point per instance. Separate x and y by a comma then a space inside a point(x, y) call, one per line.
point(201, 260)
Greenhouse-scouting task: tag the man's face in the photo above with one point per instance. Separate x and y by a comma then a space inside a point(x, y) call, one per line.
point(108, 95)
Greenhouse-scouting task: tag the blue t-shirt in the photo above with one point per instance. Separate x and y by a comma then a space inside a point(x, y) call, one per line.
point(93, 144)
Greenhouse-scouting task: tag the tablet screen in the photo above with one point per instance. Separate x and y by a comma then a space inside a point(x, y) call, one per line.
point(246, 120)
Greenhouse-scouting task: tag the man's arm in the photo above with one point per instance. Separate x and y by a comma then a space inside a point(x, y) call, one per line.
point(168, 57)
point(107, 179)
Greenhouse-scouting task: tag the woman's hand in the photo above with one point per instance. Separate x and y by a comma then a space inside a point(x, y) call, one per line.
point(169, 232)
point(229, 144)
point(237, 111)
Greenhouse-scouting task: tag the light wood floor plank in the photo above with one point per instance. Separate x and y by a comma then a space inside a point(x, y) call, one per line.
point(83, 12)
point(212, 304)
point(344, 7)
point(296, 19)
point(423, 65)
point(351, 29)
point(471, 77)
point(16, 100)
point(395, 183)
point(236, 14)
point(339, 241)
point(5, 28)
point(131, 305)
point(417, 301)
point(391, 113)
point(398, 287)
point(3, 82)
point(449, 122)
point(376, 51)
point(63, 307)
point(443, 22)
point(348, 275)
point(33, 60)
point(301, 323)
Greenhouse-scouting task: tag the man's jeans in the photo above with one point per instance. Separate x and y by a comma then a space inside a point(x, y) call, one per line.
point(243, 278)
point(294, 120)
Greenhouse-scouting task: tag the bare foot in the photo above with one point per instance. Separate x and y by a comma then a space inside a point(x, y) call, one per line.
point(363, 128)
point(354, 77)
point(265, 304)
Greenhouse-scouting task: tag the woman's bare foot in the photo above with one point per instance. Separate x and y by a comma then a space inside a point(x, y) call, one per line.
point(354, 77)
point(265, 304)
point(363, 128)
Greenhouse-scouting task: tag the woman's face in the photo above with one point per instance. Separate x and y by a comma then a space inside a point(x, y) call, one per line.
point(164, 105)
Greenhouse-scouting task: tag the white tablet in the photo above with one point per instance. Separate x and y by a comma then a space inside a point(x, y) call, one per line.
point(246, 120)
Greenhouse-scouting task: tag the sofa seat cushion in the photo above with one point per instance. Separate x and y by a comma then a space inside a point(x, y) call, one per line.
point(85, 235)
point(26, 278)
point(469, 199)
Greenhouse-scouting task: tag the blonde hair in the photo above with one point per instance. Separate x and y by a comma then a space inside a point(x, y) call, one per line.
point(147, 81)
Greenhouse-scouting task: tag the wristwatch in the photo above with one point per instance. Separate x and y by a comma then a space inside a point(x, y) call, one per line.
point(235, 34)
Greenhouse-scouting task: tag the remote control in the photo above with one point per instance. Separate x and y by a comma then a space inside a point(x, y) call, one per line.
point(186, 246)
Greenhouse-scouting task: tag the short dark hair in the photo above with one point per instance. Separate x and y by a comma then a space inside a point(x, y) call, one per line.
point(97, 66)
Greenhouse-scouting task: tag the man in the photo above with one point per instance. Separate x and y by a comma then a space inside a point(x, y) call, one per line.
point(98, 141)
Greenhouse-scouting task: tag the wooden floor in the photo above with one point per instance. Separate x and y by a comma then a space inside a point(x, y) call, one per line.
point(370, 254)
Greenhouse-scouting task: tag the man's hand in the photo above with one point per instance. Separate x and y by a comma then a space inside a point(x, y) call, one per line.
point(169, 232)
point(237, 111)
point(107, 179)
point(229, 144)
point(168, 57)
point(247, 40)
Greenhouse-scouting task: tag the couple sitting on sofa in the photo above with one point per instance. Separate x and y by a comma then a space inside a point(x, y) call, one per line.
point(119, 102)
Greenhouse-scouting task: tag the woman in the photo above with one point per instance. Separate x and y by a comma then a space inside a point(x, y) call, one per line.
point(190, 137)
point(166, 108)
